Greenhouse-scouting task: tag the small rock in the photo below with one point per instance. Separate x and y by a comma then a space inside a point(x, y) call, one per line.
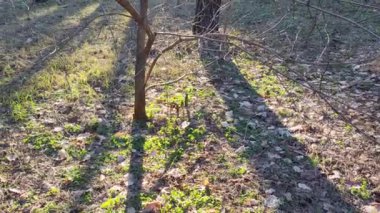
point(270, 191)
point(246, 104)
point(272, 202)
point(58, 129)
point(87, 157)
point(328, 207)
point(131, 210)
point(241, 149)
point(11, 157)
point(287, 160)
point(288, 196)
point(278, 149)
point(273, 156)
point(304, 187)
point(62, 154)
point(16, 191)
point(102, 177)
point(120, 159)
point(261, 108)
point(185, 124)
point(49, 121)
point(230, 116)
point(29, 40)
point(225, 124)
point(336, 175)
point(297, 169)
point(129, 180)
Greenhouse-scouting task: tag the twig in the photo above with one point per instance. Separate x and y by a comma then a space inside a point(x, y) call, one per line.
point(339, 16)
point(170, 47)
point(169, 82)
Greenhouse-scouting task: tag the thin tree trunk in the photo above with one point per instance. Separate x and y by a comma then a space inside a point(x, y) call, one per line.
point(206, 18)
point(141, 59)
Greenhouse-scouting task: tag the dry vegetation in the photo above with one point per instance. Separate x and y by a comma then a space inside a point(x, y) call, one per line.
point(263, 136)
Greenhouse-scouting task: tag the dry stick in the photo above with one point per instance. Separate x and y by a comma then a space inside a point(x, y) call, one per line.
point(274, 26)
point(362, 5)
point(170, 47)
point(268, 49)
point(339, 16)
point(169, 82)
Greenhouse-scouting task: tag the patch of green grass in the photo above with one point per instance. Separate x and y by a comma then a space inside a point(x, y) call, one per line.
point(76, 152)
point(315, 160)
point(46, 141)
point(237, 172)
point(120, 140)
point(54, 191)
point(152, 109)
point(74, 176)
point(246, 196)
point(362, 192)
point(86, 197)
point(22, 108)
point(113, 203)
point(49, 207)
point(230, 135)
point(348, 128)
point(73, 128)
point(179, 201)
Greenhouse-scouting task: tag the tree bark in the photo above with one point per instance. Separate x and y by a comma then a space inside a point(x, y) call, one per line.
point(206, 18)
point(141, 59)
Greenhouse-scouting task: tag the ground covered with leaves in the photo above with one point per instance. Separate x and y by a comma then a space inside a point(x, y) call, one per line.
point(230, 134)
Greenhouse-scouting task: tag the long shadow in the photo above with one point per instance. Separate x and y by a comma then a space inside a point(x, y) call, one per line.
point(136, 169)
point(288, 177)
point(108, 143)
point(63, 40)
point(22, 76)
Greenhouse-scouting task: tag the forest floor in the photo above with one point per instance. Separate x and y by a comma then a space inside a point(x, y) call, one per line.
point(249, 140)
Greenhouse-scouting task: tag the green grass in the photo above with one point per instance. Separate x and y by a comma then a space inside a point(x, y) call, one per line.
point(73, 128)
point(362, 191)
point(74, 177)
point(237, 172)
point(46, 141)
point(179, 201)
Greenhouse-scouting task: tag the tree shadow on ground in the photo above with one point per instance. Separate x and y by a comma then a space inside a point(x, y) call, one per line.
point(21, 76)
point(108, 140)
point(287, 175)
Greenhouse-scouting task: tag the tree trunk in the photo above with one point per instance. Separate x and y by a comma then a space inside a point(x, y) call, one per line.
point(141, 59)
point(206, 18)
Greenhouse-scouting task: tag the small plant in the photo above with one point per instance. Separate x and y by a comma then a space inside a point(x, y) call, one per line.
point(238, 172)
point(76, 152)
point(53, 191)
point(315, 160)
point(361, 191)
point(45, 141)
point(197, 133)
point(182, 200)
point(73, 128)
point(112, 203)
point(20, 110)
point(348, 128)
point(86, 198)
point(74, 176)
point(120, 140)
